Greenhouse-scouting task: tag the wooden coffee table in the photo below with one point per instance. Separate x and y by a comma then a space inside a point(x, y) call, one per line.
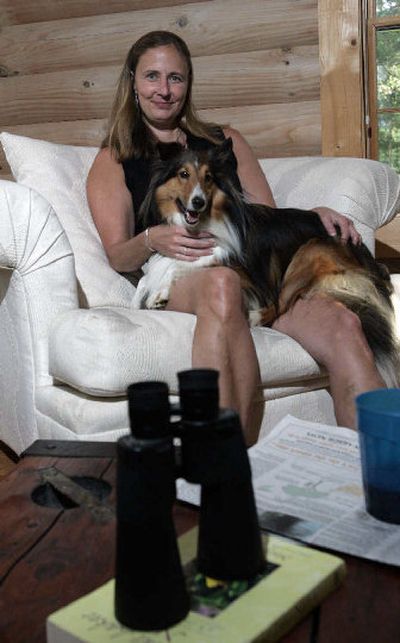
point(50, 556)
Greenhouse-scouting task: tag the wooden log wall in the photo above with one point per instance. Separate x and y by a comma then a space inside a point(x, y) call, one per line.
point(256, 65)
point(342, 83)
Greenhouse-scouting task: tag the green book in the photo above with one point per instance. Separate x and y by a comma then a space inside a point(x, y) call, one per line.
point(298, 579)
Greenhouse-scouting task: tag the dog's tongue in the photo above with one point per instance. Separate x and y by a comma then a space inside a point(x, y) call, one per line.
point(191, 216)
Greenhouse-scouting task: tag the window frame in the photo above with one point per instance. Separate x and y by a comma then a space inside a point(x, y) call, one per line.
point(375, 23)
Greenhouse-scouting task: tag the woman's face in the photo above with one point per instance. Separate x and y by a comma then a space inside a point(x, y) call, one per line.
point(161, 82)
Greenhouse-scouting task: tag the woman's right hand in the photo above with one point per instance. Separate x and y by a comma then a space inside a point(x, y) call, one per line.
point(176, 242)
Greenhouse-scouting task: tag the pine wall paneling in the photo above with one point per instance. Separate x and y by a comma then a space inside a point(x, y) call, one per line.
point(18, 12)
point(342, 94)
point(256, 66)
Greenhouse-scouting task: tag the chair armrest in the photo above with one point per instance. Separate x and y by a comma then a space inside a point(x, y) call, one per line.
point(31, 235)
point(366, 191)
point(37, 281)
point(38, 276)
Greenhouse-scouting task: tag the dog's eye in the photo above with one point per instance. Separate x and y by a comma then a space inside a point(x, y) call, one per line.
point(183, 174)
point(208, 178)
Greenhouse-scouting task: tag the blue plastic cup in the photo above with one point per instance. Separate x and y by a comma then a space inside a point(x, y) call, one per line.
point(378, 415)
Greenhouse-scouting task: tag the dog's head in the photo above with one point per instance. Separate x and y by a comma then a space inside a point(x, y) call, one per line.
point(181, 189)
point(186, 185)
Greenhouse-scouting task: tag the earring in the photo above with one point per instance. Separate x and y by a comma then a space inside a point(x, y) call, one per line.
point(136, 98)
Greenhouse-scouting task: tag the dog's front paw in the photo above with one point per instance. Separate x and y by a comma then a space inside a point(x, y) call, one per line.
point(158, 300)
point(255, 318)
point(262, 316)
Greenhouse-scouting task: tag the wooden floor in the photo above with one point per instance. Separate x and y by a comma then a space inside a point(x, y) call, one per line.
point(6, 462)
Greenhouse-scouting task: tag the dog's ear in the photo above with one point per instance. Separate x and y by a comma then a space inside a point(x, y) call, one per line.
point(222, 159)
point(227, 145)
point(223, 153)
point(168, 151)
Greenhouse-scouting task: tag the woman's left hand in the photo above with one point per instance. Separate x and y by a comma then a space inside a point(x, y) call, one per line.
point(330, 218)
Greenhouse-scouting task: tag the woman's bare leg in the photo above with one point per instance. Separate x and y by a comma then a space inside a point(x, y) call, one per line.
point(222, 338)
point(333, 335)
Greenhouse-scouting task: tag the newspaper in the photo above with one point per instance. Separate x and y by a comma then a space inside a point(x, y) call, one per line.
point(308, 486)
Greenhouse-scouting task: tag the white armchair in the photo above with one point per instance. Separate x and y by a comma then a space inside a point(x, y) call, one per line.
point(70, 342)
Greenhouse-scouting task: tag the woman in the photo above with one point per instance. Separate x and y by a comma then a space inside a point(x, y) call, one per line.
point(153, 103)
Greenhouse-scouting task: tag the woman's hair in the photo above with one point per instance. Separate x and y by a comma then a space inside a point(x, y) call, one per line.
point(127, 133)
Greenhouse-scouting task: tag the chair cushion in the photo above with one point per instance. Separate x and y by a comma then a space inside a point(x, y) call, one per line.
point(58, 172)
point(103, 350)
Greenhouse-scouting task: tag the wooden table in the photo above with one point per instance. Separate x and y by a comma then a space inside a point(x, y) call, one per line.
point(51, 556)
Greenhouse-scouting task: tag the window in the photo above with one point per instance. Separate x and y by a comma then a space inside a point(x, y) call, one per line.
point(384, 80)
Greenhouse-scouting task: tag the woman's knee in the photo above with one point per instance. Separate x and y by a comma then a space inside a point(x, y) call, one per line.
point(324, 327)
point(347, 341)
point(222, 294)
point(347, 324)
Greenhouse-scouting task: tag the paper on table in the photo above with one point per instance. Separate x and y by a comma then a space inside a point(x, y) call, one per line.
point(307, 484)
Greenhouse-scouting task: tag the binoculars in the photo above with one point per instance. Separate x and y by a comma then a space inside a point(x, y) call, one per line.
point(150, 588)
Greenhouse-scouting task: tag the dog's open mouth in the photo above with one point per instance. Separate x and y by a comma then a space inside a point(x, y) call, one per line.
point(191, 216)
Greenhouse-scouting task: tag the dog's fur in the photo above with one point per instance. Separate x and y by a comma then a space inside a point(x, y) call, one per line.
point(280, 254)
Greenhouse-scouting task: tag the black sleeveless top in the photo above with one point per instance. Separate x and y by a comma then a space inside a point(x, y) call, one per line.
point(138, 172)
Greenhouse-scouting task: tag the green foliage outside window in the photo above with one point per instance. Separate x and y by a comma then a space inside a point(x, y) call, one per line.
point(387, 8)
point(388, 95)
point(388, 84)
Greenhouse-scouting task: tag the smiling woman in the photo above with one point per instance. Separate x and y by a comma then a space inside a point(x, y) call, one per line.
point(160, 86)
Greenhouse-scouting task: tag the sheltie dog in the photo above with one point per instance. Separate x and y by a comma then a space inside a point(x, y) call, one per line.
point(281, 255)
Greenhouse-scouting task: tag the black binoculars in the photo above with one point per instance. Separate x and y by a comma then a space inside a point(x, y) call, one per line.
point(150, 588)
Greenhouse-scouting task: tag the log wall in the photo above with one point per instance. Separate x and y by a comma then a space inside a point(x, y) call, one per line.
point(342, 83)
point(256, 65)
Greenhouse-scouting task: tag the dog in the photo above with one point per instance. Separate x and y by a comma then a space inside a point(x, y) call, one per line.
point(281, 255)
point(182, 192)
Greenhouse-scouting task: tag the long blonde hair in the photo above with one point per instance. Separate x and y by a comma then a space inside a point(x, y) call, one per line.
point(127, 133)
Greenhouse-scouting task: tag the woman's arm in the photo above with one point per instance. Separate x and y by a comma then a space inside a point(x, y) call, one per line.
point(110, 203)
point(256, 187)
point(251, 176)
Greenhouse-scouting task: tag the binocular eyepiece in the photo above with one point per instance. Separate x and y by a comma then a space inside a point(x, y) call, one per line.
point(199, 394)
point(149, 410)
point(150, 591)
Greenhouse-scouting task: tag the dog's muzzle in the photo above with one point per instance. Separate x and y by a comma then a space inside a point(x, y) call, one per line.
point(192, 215)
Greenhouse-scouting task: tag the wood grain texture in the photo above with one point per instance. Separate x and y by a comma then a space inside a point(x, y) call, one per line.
point(388, 239)
point(275, 130)
point(52, 564)
point(256, 64)
point(57, 96)
point(372, 593)
point(82, 132)
point(213, 27)
point(226, 80)
point(7, 463)
point(17, 12)
point(272, 130)
point(341, 78)
point(52, 557)
point(30, 521)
